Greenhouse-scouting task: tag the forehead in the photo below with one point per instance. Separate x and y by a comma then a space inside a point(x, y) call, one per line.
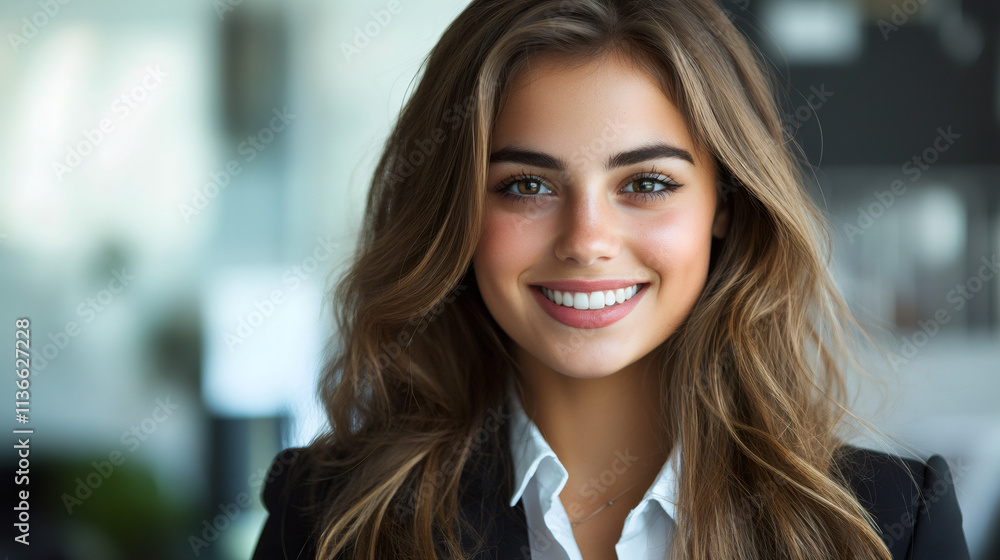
point(596, 105)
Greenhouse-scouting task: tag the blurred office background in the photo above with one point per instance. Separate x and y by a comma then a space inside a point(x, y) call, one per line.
point(180, 182)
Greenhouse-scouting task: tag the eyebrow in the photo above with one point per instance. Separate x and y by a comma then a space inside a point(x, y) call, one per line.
point(647, 152)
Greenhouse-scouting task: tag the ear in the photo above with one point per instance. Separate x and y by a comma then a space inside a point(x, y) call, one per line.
point(723, 211)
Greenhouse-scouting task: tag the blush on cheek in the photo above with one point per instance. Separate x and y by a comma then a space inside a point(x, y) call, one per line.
point(508, 243)
point(674, 244)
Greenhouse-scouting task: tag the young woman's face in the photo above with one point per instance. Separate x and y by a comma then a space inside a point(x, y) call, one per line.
point(595, 186)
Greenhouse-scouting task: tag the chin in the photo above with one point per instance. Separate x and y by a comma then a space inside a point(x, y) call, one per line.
point(588, 374)
point(578, 355)
point(586, 367)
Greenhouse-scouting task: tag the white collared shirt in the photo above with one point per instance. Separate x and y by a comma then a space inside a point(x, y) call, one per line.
point(539, 477)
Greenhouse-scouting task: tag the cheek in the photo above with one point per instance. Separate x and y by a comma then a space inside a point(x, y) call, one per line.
point(676, 245)
point(507, 246)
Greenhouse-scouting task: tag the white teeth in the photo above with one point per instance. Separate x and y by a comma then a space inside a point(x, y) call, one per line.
point(591, 300)
point(597, 300)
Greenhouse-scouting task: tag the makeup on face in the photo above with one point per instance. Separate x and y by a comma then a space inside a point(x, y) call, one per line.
point(599, 217)
point(589, 310)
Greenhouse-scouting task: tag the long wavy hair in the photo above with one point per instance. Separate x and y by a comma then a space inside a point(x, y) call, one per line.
point(754, 387)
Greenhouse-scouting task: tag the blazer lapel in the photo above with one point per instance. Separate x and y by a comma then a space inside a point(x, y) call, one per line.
point(485, 503)
point(882, 486)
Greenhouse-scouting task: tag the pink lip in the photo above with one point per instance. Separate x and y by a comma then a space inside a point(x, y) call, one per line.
point(588, 318)
point(588, 285)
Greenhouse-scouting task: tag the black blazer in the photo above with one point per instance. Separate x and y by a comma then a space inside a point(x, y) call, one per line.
point(913, 529)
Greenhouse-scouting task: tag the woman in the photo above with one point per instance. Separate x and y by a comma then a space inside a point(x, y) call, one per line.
point(590, 317)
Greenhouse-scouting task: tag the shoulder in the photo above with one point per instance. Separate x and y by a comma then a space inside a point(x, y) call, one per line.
point(290, 488)
point(295, 489)
point(913, 504)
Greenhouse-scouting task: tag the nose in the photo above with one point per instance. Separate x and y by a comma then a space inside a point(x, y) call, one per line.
point(589, 228)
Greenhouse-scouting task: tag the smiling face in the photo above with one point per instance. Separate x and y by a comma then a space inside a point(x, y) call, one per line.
point(593, 177)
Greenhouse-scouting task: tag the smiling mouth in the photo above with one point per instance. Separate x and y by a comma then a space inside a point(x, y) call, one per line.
point(590, 300)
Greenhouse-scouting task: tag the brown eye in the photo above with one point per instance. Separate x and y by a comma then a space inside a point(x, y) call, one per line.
point(525, 188)
point(644, 186)
point(532, 188)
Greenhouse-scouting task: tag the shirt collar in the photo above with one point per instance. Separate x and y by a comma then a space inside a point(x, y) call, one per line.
point(529, 449)
point(527, 446)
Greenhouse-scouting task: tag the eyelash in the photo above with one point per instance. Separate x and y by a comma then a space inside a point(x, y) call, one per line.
point(652, 174)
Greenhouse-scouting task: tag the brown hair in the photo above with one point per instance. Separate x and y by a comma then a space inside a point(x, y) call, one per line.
point(753, 379)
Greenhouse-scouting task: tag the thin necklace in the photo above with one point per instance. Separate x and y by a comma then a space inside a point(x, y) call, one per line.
point(610, 502)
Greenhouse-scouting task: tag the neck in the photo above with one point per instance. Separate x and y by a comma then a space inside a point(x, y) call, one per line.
point(598, 426)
